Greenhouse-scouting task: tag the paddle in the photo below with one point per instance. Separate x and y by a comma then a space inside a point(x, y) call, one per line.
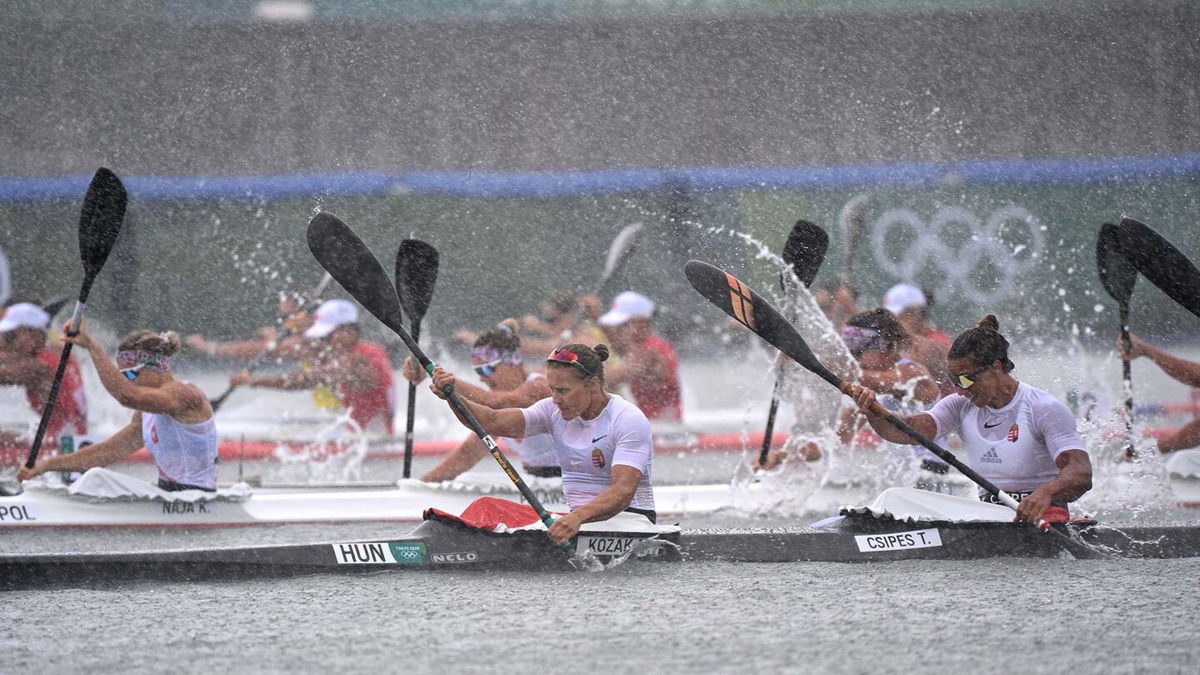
point(1118, 277)
point(803, 254)
point(347, 258)
point(619, 252)
point(737, 300)
point(312, 300)
point(100, 222)
point(851, 221)
point(416, 273)
point(1161, 263)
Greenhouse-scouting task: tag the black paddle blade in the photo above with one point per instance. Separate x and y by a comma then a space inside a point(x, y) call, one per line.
point(416, 273)
point(1116, 273)
point(351, 264)
point(805, 250)
point(736, 299)
point(100, 220)
point(1160, 262)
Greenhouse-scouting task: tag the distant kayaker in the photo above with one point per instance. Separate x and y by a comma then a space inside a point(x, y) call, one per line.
point(359, 371)
point(603, 442)
point(1186, 372)
point(1018, 437)
point(925, 344)
point(875, 339)
point(173, 419)
point(498, 362)
point(284, 340)
point(648, 362)
point(27, 361)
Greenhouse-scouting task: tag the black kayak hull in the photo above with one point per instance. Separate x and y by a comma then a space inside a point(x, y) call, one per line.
point(446, 545)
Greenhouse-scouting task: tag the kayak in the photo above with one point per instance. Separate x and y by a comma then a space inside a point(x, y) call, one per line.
point(441, 542)
point(103, 498)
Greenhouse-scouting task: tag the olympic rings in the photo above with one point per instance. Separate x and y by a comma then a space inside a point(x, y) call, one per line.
point(933, 247)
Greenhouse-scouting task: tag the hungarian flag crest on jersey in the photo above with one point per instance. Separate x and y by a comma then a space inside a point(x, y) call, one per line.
point(1014, 432)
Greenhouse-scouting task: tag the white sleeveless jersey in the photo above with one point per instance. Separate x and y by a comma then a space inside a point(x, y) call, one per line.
point(588, 449)
point(1015, 446)
point(533, 451)
point(184, 453)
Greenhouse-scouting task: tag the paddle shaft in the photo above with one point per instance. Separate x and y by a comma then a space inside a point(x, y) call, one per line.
point(412, 411)
point(1127, 377)
point(770, 429)
point(59, 373)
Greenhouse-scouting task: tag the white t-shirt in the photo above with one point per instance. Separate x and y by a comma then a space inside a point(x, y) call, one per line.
point(184, 453)
point(1015, 446)
point(533, 451)
point(588, 449)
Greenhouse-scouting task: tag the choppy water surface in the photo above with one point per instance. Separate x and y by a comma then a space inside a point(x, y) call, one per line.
point(984, 616)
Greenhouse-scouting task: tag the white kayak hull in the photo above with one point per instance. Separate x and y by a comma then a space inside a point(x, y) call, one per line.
point(40, 506)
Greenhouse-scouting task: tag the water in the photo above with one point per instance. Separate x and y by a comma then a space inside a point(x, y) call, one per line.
point(1036, 616)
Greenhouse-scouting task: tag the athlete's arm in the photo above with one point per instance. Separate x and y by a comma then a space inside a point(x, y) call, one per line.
point(865, 399)
point(1187, 372)
point(122, 444)
point(613, 500)
point(1187, 437)
point(175, 399)
point(1074, 478)
point(527, 394)
point(508, 422)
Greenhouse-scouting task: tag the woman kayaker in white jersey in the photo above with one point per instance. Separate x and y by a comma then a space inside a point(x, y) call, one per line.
point(603, 442)
point(497, 360)
point(1019, 437)
point(172, 420)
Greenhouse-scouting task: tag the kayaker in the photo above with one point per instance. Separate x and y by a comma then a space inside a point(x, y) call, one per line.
point(648, 362)
point(1019, 437)
point(875, 339)
point(27, 361)
point(603, 442)
point(925, 344)
point(560, 312)
point(496, 356)
point(359, 371)
point(173, 419)
point(288, 342)
point(1180, 370)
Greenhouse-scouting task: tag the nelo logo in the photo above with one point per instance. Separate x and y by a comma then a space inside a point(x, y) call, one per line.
point(467, 557)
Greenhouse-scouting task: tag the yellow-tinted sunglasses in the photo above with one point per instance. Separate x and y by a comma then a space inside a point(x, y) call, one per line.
point(965, 380)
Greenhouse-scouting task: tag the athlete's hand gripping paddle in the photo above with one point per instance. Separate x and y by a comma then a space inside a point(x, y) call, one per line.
point(100, 222)
point(736, 299)
point(347, 258)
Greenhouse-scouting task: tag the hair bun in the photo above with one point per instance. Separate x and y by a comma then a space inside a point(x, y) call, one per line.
point(171, 344)
point(508, 325)
point(990, 322)
point(602, 352)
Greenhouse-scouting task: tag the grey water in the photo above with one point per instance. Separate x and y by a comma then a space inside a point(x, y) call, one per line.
point(1002, 615)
